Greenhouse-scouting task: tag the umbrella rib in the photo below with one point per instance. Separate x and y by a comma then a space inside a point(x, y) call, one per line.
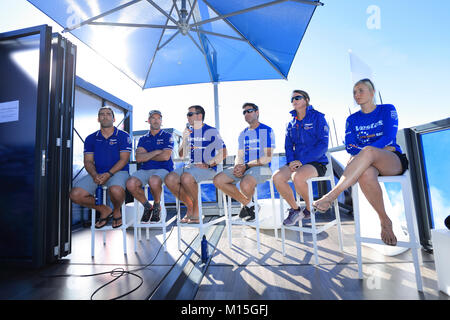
point(203, 49)
point(162, 11)
point(134, 25)
point(198, 46)
point(192, 11)
point(222, 17)
point(157, 47)
point(176, 8)
point(217, 34)
point(168, 40)
point(100, 16)
point(249, 43)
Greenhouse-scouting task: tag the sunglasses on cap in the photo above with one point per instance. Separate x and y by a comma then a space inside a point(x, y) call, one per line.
point(297, 98)
point(190, 114)
point(249, 111)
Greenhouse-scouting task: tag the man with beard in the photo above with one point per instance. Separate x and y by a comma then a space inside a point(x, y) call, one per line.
point(252, 166)
point(154, 151)
point(106, 156)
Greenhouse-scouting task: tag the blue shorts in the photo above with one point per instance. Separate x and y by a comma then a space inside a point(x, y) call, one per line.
point(87, 182)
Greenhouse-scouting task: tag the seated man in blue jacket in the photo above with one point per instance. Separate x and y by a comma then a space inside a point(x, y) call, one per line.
point(306, 143)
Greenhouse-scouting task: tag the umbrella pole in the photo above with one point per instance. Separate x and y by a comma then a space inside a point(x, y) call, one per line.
point(217, 124)
point(216, 105)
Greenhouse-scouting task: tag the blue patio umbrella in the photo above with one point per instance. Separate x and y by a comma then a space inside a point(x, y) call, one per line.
point(173, 42)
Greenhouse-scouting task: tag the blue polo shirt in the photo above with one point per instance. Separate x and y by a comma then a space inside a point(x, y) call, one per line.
point(205, 142)
point(161, 141)
point(107, 151)
point(254, 141)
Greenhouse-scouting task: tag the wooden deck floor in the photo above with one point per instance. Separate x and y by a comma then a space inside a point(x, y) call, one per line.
point(234, 273)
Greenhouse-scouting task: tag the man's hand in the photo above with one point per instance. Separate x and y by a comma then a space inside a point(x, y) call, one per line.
point(239, 170)
point(101, 179)
point(294, 165)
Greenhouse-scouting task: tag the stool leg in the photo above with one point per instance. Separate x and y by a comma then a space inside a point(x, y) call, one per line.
point(415, 248)
point(283, 231)
point(338, 224)
point(200, 211)
point(135, 209)
point(163, 218)
point(300, 223)
point(124, 228)
point(178, 223)
point(272, 196)
point(92, 232)
point(227, 208)
point(355, 200)
point(313, 225)
point(258, 240)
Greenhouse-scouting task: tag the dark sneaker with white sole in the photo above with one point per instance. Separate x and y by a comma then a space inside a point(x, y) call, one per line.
point(244, 212)
point(156, 216)
point(147, 214)
point(293, 217)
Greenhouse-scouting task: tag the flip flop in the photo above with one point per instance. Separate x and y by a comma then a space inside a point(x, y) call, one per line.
point(117, 219)
point(106, 219)
point(194, 221)
point(185, 219)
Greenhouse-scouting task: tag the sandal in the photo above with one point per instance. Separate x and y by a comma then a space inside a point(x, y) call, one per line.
point(185, 219)
point(106, 219)
point(194, 220)
point(117, 219)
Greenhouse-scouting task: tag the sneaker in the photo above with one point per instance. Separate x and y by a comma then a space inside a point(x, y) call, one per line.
point(251, 216)
point(244, 212)
point(306, 214)
point(156, 214)
point(293, 217)
point(147, 214)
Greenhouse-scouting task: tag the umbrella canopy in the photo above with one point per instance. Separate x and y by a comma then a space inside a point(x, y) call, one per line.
point(172, 42)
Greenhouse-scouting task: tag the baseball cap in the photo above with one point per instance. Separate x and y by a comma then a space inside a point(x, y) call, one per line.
point(152, 112)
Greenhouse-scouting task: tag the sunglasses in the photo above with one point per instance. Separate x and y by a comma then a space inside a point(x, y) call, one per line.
point(190, 114)
point(297, 98)
point(248, 111)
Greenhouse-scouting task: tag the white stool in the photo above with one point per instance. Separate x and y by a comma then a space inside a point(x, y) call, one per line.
point(123, 227)
point(139, 210)
point(201, 226)
point(329, 176)
point(411, 223)
point(237, 221)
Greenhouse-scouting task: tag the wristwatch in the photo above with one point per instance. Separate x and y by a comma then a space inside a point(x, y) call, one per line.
point(247, 167)
point(110, 173)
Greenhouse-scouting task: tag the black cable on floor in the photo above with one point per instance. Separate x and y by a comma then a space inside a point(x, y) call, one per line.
point(117, 273)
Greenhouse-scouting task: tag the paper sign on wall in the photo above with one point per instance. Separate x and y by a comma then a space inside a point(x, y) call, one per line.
point(9, 111)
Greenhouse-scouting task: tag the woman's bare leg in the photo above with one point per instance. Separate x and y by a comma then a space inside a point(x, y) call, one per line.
point(299, 177)
point(280, 180)
point(385, 161)
point(371, 188)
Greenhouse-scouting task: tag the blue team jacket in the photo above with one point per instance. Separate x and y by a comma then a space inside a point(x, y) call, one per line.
point(307, 140)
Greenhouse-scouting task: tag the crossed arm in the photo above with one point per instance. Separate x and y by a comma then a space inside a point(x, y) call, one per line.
point(157, 155)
